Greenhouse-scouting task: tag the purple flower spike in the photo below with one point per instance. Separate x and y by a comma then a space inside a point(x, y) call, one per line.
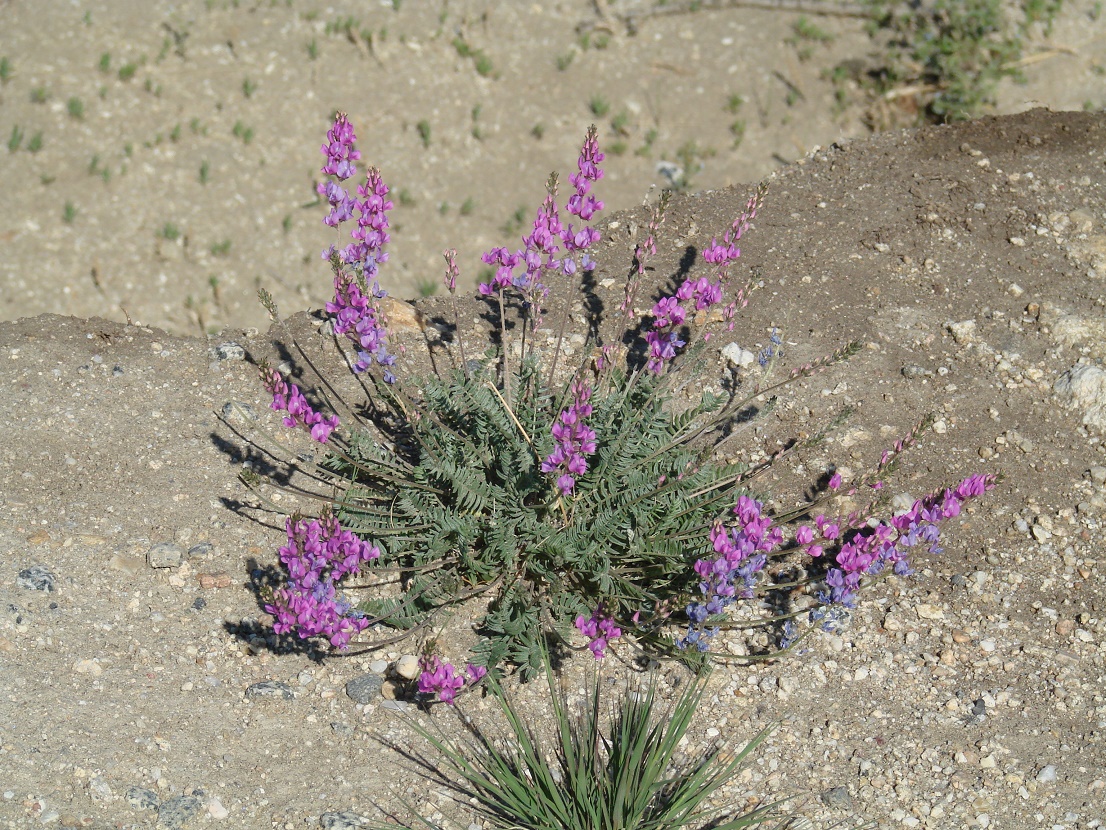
point(287, 397)
point(441, 679)
point(318, 554)
point(575, 440)
point(338, 150)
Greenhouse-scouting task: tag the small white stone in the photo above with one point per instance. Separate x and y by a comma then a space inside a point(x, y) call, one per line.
point(407, 667)
point(378, 666)
point(940, 427)
point(929, 612)
point(963, 332)
point(1017, 241)
point(216, 810)
point(988, 645)
point(1047, 775)
point(738, 357)
point(89, 666)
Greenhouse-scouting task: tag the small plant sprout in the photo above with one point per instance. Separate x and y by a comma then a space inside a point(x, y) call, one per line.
point(220, 248)
point(585, 500)
point(39, 95)
point(174, 134)
point(69, 213)
point(313, 50)
point(6, 70)
point(242, 132)
point(35, 143)
point(75, 107)
point(599, 106)
point(423, 129)
point(169, 232)
point(205, 171)
point(15, 139)
point(127, 71)
point(467, 207)
point(249, 87)
point(105, 62)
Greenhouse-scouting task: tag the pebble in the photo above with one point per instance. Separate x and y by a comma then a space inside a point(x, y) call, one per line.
point(36, 578)
point(238, 411)
point(99, 789)
point(270, 689)
point(142, 799)
point(838, 798)
point(164, 555)
point(1047, 775)
point(394, 705)
point(343, 820)
point(127, 564)
point(175, 812)
point(216, 810)
point(343, 729)
point(1083, 387)
point(220, 579)
point(364, 689)
point(407, 667)
point(90, 666)
point(230, 351)
point(391, 690)
point(381, 666)
point(738, 357)
point(201, 551)
point(929, 612)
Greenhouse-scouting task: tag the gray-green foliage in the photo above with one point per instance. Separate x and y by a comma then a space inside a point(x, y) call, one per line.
point(464, 504)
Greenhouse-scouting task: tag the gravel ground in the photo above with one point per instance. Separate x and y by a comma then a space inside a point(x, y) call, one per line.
point(141, 685)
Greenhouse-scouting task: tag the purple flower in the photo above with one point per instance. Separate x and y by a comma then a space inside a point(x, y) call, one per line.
point(319, 553)
point(287, 397)
point(741, 558)
point(575, 440)
point(548, 236)
point(441, 679)
point(600, 629)
point(338, 150)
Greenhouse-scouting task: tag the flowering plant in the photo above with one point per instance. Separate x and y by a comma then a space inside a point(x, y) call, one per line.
point(585, 502)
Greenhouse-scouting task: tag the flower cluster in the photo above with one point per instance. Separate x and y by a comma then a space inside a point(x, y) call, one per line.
point(599, 629)
point(287, 397)
point(540, 246)
point(863, 549)
point(575, 440)
point(360, 318)
point(356, 315)
point(441, 679)
point(741, 556)
point(870, 550)
point(319, 553)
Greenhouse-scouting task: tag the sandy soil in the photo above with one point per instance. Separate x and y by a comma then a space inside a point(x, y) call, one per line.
point(968, 260)
point(189, 172)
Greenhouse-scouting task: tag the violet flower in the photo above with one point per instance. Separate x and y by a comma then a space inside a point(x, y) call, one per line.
point(548, 236)
point(575, 440)
point(287, 397)
point(441, 679)
point(600, 629)
point(319, 553)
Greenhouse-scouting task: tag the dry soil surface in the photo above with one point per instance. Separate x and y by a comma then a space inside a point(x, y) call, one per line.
point(968, 260)
point(178, 141)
